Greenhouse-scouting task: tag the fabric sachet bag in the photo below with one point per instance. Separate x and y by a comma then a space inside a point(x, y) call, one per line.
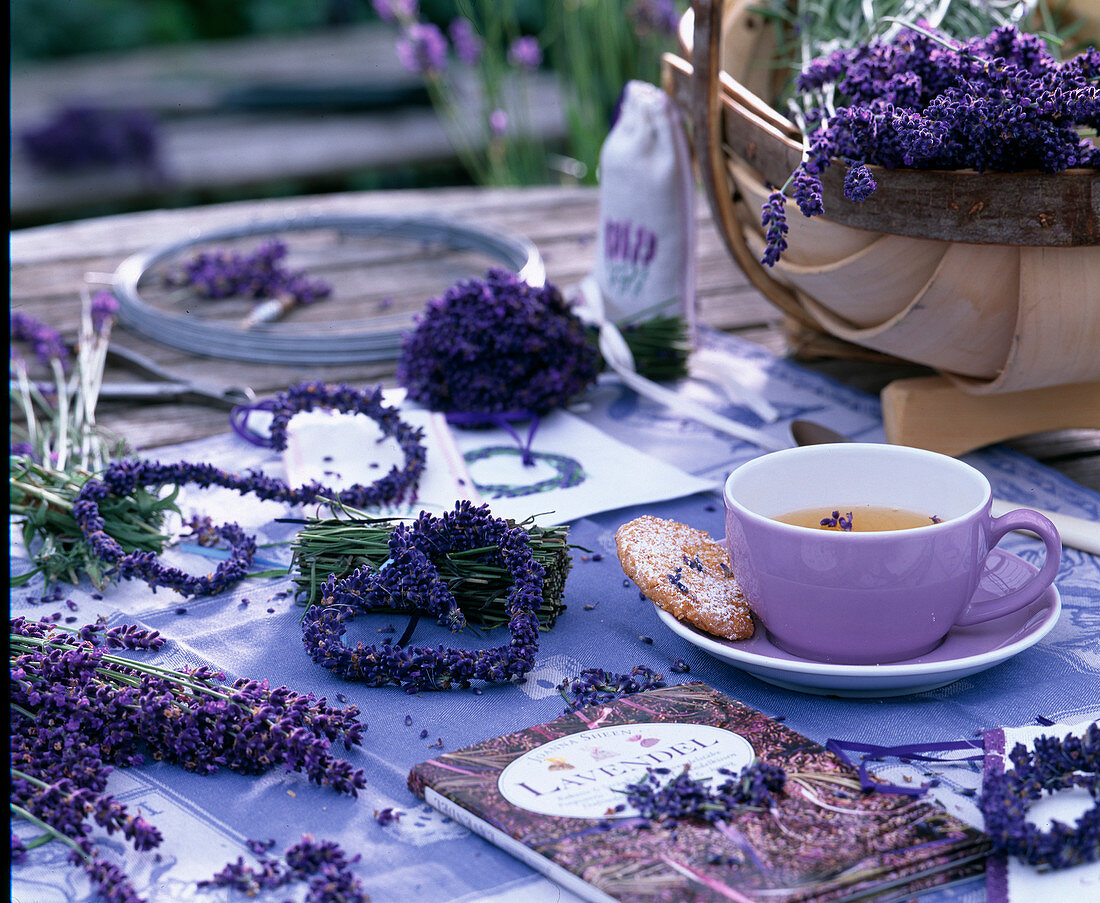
point(645, 253)
point(645, 246)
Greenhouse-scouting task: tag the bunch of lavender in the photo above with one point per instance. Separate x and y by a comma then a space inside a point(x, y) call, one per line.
point(323, 864)
point(80, 138)
point(56, 446)
point(338, 546)
point(221, 274)
point(78, 711)
point(1000, 102)
point(497, 345)
point(595, 686)
point(479, 71)
point(660, 798)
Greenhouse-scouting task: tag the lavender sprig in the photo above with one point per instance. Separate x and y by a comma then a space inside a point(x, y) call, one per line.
point(46, 342)
point(323, 864)
point(59, 428)
point(660, 798)
point(221, 274)
point(595, 686)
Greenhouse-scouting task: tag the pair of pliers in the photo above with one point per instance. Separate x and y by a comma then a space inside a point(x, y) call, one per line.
point(166, 386)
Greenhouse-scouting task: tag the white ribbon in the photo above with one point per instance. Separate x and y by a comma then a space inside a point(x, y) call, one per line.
point(618, 357)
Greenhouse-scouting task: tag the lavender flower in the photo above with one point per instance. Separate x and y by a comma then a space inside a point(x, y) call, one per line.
point(807, 194)
point(467, 45)
point(104, 307)
point(423, 49)
point(596, 686)
point(497, 345)
point(46, 343)
point(774, 220)
point(525, 53)
point(837, 520)
point(224, 274)
point(323, 864)
point(498, 122)
point(858, 183)
point(396, 10)
point(682, 797)
point(77, 712)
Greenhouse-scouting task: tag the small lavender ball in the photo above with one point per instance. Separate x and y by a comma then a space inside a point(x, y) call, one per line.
point(497, 345)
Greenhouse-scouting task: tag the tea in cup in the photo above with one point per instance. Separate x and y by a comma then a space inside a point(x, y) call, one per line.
point(860, 553)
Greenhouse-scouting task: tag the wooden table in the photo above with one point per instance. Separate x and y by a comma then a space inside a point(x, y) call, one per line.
point(49, 265)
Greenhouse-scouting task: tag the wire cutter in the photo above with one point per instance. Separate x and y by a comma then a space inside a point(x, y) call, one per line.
point(165, 386)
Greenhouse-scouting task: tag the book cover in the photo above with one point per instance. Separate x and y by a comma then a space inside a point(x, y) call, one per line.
point(548, 795)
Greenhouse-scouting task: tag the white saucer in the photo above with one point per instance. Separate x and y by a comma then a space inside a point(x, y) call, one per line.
point(964, 651)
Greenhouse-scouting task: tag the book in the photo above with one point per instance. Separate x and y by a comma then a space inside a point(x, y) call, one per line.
point(549, 795)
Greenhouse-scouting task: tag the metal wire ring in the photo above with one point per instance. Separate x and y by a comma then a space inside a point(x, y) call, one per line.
point(218, 339)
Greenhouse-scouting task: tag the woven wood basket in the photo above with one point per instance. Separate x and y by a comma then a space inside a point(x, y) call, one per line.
point(991, 278)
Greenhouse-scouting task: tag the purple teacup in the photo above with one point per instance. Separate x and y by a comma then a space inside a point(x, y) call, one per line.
point(831, 592)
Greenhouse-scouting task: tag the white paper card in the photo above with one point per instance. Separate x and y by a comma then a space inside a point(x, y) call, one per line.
point(577, 469)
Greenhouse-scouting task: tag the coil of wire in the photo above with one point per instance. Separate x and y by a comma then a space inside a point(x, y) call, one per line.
point(215, 338)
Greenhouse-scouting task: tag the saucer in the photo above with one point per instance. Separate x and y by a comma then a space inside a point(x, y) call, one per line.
point(964, 651)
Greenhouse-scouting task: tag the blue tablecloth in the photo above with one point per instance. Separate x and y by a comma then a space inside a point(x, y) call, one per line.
point(422, 856)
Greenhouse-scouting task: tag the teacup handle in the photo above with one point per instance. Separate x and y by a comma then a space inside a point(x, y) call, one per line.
point(1034, 522)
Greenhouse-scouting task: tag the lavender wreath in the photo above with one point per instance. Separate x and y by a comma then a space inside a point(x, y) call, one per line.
point(409, 579)
point(1050, 765)
point(122, 477)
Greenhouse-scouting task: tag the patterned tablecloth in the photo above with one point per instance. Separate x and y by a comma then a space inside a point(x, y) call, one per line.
point(206, 821)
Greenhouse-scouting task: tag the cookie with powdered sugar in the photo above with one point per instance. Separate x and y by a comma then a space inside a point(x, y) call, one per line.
point(685, 572)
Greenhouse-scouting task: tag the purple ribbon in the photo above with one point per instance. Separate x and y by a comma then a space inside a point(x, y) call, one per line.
point(503, 420)
point(909, 751)
point(238, 419)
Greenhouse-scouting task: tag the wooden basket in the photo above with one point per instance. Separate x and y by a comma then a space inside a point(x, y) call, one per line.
point(991, 278)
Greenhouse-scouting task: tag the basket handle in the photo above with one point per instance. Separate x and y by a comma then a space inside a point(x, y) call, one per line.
point(706, 112)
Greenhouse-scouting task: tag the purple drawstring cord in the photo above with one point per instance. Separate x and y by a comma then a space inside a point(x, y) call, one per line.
point(908, 751)
point(502, 419)
point(238, 419)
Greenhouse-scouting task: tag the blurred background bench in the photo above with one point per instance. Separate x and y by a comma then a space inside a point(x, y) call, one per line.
point(262, 116)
